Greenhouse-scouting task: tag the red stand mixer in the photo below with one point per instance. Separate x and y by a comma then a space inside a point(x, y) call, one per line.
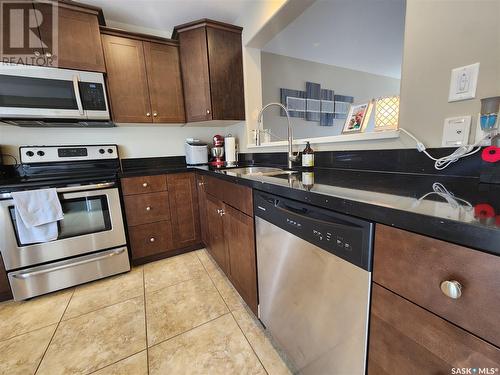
point(217, 151)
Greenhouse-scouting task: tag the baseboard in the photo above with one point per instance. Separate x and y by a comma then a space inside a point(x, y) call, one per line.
point(167, 254)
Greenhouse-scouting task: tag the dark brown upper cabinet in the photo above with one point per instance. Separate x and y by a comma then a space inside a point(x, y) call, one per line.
point(78, 36)
point(212, 70)
point(144, 78)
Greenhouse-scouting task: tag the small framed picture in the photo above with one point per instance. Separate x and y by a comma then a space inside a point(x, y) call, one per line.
point(358, 117)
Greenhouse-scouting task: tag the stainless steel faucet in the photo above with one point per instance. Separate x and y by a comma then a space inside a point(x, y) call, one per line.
point(292, 157)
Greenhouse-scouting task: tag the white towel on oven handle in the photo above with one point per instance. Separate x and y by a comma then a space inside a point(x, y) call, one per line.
point(37, 213)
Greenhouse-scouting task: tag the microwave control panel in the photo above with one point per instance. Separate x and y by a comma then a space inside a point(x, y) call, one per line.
point(93, 96)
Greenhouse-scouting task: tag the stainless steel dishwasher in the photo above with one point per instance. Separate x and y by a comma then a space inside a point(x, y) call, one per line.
point(314, 274)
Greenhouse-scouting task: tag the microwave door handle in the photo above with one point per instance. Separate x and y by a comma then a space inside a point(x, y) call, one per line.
point(77, 95)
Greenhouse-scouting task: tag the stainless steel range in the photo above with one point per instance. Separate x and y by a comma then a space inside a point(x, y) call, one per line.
point(91, 242)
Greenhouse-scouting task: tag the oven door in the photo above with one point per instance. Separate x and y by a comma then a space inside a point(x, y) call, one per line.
point(92, 222)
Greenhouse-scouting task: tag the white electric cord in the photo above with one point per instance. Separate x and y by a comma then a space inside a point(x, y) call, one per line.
point(440, 190)
point(445, 161)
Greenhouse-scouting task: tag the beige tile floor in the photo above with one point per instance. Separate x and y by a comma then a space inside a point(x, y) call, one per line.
point(175, 316)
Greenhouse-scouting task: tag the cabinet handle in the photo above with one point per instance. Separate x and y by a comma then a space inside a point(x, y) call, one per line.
point(201, 183)
point(37, 53)
point(145, 184)
point(48, 54)
point(451, 288)
point(148, 114)
point(155, 114)
point(148, 208)
point(208, 111)
point(152, 239)
point(222, 212)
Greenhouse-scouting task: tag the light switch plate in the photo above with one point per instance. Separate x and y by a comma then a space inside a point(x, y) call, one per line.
point(456, 131)
point(463, 82)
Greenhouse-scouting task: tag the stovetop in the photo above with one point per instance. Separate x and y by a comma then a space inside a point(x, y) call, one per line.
point(57, 166)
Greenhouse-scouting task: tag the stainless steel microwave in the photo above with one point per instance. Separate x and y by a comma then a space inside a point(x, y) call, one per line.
point(38, 96)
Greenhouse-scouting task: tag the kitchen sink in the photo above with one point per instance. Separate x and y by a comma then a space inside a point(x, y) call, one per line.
point(257, 171)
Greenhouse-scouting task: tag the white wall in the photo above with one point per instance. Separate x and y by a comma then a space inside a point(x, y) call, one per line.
point(287, 72)
point(135, 141)
point(439, 36)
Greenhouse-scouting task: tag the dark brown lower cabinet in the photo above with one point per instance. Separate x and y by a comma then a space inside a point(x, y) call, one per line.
point(406, 340)
point(231, 234)
point(216, 244)
point(240, 244)
point(183, 200)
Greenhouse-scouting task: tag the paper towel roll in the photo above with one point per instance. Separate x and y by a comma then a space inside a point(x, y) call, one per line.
point(230, 148)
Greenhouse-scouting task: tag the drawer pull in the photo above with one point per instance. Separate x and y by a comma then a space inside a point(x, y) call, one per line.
point(145, 184)
point(152, 239)
point(148, 208)
point(452, 289)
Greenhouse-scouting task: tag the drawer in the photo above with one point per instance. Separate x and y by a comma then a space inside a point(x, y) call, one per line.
point(48, 278)
point(215, 187)
point(237, 196)
point(150, 239)
point(414, 267)
point(144, 184)
point(147, 208)
point(412, 340)
point(240, 197)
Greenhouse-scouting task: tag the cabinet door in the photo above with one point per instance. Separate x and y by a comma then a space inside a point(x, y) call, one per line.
point(240, 242)
point(164, 82)
point(195, 76)
point(184, 209)
point(127, 80)
point(79, 38)
point(202, 205)
point(216, 245)
point(226, 74)
point(406, 339)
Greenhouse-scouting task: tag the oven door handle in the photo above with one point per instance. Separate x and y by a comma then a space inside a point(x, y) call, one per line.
point(101, 185)
point(69, 189)
point(69, 265)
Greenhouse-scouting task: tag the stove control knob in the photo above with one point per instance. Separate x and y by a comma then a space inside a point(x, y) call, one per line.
point(101, 151)
point(110, 150)
point(30, 153)
point(40, 153)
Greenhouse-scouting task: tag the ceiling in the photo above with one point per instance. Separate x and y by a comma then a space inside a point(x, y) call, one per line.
point(365, 35)
point(160, 16)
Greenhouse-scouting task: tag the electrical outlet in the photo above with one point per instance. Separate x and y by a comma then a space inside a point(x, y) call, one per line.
point(463, 83)
point(456, 131)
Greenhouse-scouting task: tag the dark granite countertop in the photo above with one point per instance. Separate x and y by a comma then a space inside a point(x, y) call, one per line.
point(454, 209)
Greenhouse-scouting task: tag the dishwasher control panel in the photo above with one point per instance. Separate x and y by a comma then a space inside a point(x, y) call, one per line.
point(347, 237)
